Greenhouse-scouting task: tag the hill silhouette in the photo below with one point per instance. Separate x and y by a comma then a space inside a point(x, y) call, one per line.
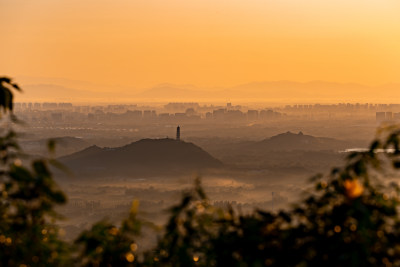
point(145, 157)
point(284, 142)
point(291, 141)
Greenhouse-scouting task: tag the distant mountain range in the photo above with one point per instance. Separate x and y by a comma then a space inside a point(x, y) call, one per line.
point(50, 89)
point(283, 91)
point(147, 157)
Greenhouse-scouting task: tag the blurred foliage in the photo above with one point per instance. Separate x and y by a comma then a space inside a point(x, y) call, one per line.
point(107, 245)
point(6, 95)
point(28, 235)
point(349, 219)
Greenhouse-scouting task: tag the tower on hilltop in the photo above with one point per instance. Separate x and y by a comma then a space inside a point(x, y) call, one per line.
point(178, 133)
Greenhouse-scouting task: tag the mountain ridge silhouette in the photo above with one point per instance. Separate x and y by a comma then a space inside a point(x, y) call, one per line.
point(49, 89)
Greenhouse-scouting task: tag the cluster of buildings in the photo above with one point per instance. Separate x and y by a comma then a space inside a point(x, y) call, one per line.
point(387, 116)
point(344, 107)
point(192, 112)
point(169, 113)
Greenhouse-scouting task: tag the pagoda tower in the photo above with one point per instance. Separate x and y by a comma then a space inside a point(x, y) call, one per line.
point(178, 133)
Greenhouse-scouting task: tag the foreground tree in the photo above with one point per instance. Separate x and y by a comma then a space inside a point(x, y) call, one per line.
point(28, 236)
point(108, 245)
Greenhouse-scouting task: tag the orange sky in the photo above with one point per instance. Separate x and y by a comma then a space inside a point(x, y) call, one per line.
point(141, 43)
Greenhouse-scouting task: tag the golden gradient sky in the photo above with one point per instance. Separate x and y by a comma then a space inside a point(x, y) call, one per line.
point(141, 43)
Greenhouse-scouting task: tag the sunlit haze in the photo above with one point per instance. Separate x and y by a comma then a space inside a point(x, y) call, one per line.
point(139, 44)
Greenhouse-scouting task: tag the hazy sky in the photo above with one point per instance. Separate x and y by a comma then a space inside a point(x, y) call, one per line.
point(204, 42)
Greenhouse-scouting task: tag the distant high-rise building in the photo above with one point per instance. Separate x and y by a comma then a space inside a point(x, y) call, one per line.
point(266, 114)
point(178, 133)
point(252, 115)
point(37, 105)
point(181, 106)
point(49, 105)
point(57, 116)
point(380, 116)
point(219, 114)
